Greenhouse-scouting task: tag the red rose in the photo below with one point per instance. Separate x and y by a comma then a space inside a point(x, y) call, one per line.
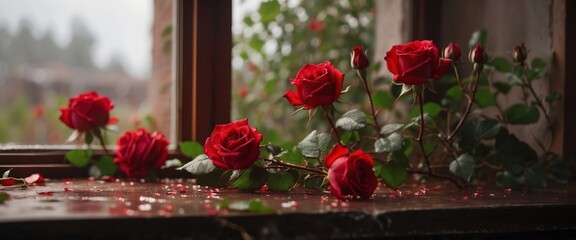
point(235, 145)
point(139, 151)
point(87, 111)
point(477, 55)
point(520, 53)
point(452, 51)
point(359, 58)
point(316, 85)
point(416, 62)
point(350, 174)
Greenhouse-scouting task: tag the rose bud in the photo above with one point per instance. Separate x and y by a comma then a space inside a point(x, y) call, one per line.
point(520, 53)
point(452, 51)
point(87, 111)
point(235, 145)
point(139, 152)
point(416, 62)
point(359, 60)
point(477, 55)
point(350, 175)
point(316, 85)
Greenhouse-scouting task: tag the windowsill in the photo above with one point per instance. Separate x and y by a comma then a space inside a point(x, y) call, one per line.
point(161, 210)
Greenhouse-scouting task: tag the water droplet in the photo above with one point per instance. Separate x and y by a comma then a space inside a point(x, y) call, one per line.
point(507, 191)
point(67, 189)
point(67, 181)
point(216, 190)
point(156, 194)
point(46, 193)
point(492, 195)
point(465, 198)
point(131, 183)
point(334, 204)
point(264, 188)
point(324, 200)
point(345, 204)
point(91, 179)
point(145, 207)
point(476, 195)
point(289, 204)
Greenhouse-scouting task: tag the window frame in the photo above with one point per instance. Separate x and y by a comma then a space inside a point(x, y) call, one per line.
point(203, 76)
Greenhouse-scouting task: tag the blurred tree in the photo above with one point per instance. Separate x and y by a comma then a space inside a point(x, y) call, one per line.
point(78, 53)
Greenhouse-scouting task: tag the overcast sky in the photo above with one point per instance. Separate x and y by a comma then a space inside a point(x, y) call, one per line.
point(120, 26)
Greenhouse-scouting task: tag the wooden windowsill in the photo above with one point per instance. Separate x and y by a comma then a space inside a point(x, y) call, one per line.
point(126, 209)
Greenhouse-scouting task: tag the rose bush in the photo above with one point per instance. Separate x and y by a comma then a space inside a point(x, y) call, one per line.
point(415, 62)
point(233, 146)
point(139, 152)
point(87, 111)
point(316, 85)
point(350, 174)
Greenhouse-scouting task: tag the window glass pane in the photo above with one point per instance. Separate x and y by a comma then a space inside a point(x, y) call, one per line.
point(274, 39)
point(51, 50)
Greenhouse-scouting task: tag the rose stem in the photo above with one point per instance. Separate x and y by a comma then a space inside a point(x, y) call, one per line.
point(289, 165)
point(421, 144)
point(327, 115)
point(362, 75)
point(420, 140)
point(468, 107)
point(540, 105)
point(101, 139)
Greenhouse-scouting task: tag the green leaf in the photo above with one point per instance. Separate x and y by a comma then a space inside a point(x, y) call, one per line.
point(455, 93)
point(390, 128)
point(393, 174)
point(78, 157)
point(382, 99)
point(217, 178)
point(463, 166)
point(251, 179)
point(478, 37)
point(382, 145)
point(502, 87)
point(396, 142)
point(552, 97)
point(399, 158)
point(106, 165)
point(275, 150)
point(560, 169)
point(538, 63)
point(313, 183)
point(536, 176)
point(3, 197)
point(352, 120)
point(312, 144)
point(522, 114)
point(256, 43)
point(268, 11)
point(199, 165)
point(485, 98)
point(432, 109)
point(280, 182)
point(248, 21)
point(506, 179)
point(291, 156)
point(191, 149)
point(488, 129)
point(501, 64)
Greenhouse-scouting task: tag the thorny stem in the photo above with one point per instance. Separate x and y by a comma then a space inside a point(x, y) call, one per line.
point(327, 115)
point(421, 132)
point(468, 107)
point(541, 106)
point(293, 166)
point(362, 76)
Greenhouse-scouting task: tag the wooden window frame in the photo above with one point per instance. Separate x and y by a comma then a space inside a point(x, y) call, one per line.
point(203, 75)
